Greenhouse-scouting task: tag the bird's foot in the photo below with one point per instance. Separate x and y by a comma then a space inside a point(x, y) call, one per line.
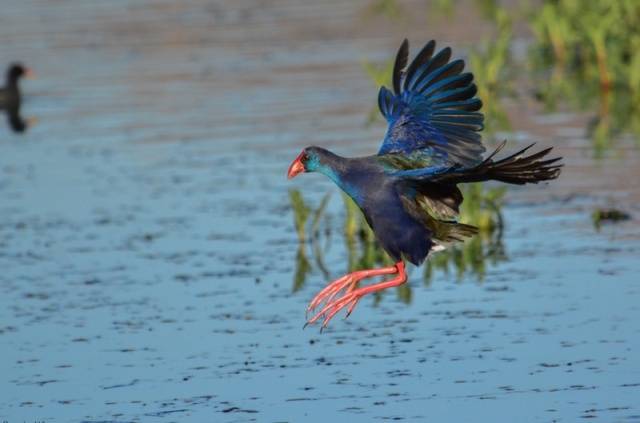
point(353, 295)
point(331, 290)
point(349, 281)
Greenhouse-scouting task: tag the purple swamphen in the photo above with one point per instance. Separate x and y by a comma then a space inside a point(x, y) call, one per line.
point(408, 191)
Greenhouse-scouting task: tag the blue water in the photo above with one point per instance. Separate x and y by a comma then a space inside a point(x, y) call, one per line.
point(147, 248)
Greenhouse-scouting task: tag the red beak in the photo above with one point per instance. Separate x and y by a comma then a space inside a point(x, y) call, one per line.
point(296, 167)
point(29, 74)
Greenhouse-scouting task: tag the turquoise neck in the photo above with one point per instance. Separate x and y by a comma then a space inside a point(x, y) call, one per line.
point(340, 180)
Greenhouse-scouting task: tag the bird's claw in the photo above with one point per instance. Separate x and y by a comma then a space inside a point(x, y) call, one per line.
point(351, 307)
point(332, 308)
point(327, 296)
point(352, 294)
point(330, 291)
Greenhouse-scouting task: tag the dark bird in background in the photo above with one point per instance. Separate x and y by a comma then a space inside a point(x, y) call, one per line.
point(408, 192)
point(11, 98)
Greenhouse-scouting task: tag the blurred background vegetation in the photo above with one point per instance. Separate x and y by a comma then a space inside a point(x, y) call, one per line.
point(314, 227)
point(581, 56)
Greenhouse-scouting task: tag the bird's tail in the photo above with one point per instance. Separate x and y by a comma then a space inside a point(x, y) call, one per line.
point(450, 232)
point(514, 169)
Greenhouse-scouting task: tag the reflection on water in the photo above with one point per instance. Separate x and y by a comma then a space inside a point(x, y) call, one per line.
point(598, 42)
point(481, 207)
point(15, 120)
point(587, 58)
point(11, 97)
point(301, 213)
point(615, 109)
point(610, 215)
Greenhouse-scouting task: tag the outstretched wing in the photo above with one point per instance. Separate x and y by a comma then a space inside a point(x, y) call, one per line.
point(432, 110)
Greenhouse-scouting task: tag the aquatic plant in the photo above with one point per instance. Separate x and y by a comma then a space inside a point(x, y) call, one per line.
point(442, 8)
point(362, 249)
point(379, 74)
point(481, 208)
point(389, 8)
point(300, 213)
point(447, 8)
point(593, 53)
point(307, 232)
point(303, 267)
point(585, 57)
point(609, 215)
point(489, 64)
point(490, 68)
point(596, 41)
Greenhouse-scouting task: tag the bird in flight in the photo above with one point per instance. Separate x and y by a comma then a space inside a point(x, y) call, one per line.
point(408, 192)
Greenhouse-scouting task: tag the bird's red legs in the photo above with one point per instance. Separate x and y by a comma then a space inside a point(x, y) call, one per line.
point(353, 296)
point(329, 292)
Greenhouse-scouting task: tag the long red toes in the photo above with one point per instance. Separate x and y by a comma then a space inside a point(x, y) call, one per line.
point(352, 295)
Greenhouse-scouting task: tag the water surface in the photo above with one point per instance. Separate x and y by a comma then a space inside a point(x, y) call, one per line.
point(148, 248)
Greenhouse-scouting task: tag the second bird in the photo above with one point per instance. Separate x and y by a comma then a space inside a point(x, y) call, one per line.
point(11, 97)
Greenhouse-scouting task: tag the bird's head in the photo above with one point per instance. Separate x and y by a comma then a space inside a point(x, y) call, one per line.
point(17, 70)
point(309, 160)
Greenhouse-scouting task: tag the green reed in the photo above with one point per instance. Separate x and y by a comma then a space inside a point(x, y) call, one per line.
point(481, 208)
point(585, 55)
point(599, 41)
point(389, 8)
point(309, 233)
point(589, 58)
point(608, 215)
point(490, 67)
point(379, 74)
point(490, 64)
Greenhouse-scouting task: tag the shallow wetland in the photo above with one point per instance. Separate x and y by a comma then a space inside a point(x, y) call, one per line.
point(149, 253)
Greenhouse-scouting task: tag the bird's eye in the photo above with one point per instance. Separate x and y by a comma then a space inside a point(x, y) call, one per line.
point(304, 157)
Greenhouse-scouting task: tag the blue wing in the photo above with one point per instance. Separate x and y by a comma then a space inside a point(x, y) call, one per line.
point(433, 108)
